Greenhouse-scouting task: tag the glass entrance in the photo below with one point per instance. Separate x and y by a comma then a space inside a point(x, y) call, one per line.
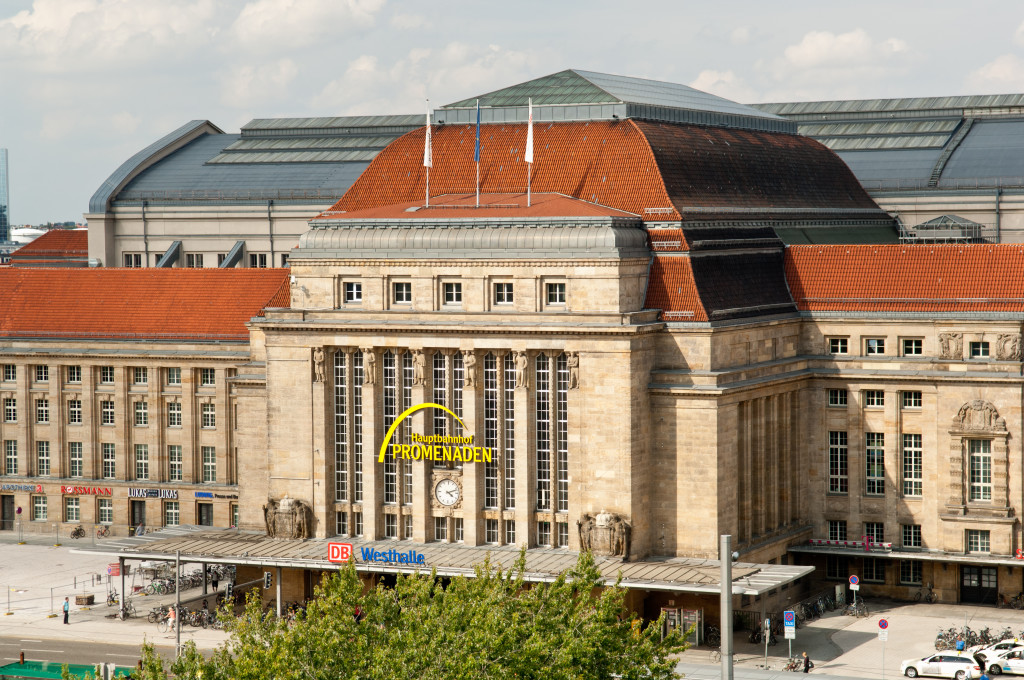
point(138, 514)
point(978, 584)
point(6, 513)
point(206, 514)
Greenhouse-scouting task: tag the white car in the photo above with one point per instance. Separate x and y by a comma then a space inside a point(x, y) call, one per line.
point(990, 652)
point(1008, 662)
point(958, 665)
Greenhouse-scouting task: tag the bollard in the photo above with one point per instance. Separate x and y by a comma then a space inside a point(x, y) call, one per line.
point(21, 658)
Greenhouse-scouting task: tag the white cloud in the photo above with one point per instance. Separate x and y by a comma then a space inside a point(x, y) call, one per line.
point(248, 85)
point(740, 35)
point(822, 48)
point(724, 84)
point(285, 24)
point(1004, 74)
point(409, 22)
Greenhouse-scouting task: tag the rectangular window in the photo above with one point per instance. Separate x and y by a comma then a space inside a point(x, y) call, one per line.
point(390, 526)
point(174, 462)
point(209, 464)
point(173, 376)
point(10, 457)
point(980, 452)
point(544, 534)
point(509, 384)
point(172, 514)
point(75, 459)
point(910, 572)
point(838, 345)
point(874, 570)
point(258, 260)
point(341, 523)
point(503, 294)
point(132, 260)
point(107, 412)
point(402, 292)
point(912, 347)
point(491, 531)
point(838, 463)
point(106, 375)
point(140, 375)
point(440, 528)
point(563, 534)
point(141, 461)
point(42, 411)
point(353, 292)
point(543, 435)
point(109, 461)
point(911, 399)
point(74, 374)
point(357, 524)
point(837, 530)
point(407, 528)
point(837, 397)
point(453, 293)
point(459, 529)
point(556, 293)
point(173, 414)
point(978, 541)
point(38, 508)
point(10, 372)
point(874, 532)
point(194, 260)
point(207, 377)
point(141, 413)
point(42, 373)
point(874, 463)
point(10, 410)
point(43, 459)
point(74, 411)
point(912, 536)
point(72, 512)
point(835, 567)
point(913, 466)
point(209, 415)
point(105, 510)
point(284, 259)
point(510, 532)
point(874, 346)
point(874, 398)
point(979, 350)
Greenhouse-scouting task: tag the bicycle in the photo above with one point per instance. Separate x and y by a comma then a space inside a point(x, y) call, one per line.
point(928, 597)
point(795, 664)
point(127, 611)
point(716, 656)
point(78, 532)
point(713, 636)
point(102, 532)
point(112, 599)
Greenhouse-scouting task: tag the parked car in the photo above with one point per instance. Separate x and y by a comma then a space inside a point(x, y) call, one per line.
point(958, 665)
point(988, 654)
point(1008, 662)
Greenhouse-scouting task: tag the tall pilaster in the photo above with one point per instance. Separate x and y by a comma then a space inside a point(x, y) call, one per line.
point(526, 446)
point(373, 435)
point(473, 473)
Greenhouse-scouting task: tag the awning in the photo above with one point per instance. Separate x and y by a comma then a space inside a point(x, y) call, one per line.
point(910, 554)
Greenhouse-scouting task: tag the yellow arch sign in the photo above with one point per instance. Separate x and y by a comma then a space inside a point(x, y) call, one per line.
point(403, 416)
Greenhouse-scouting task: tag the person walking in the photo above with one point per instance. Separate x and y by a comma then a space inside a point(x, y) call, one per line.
point(215, 580)
point(67, 609)
point(808, 664)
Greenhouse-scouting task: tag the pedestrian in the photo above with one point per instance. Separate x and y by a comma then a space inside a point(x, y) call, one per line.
point(808, 664)
point(215, 579)
point(67, 609)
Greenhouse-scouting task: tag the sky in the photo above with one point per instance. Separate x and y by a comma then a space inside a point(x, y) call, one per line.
point(84, 84)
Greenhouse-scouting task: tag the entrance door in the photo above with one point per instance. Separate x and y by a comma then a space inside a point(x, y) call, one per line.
point(206, 514)
point(6, 513)
point(978, 584)
point(138, 513)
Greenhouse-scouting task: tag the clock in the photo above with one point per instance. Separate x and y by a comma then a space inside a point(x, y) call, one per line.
point(447, 492)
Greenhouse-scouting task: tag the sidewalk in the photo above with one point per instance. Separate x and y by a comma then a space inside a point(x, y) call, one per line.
point(37, 576)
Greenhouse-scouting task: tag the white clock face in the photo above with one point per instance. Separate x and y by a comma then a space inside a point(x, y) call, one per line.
point(447, 492)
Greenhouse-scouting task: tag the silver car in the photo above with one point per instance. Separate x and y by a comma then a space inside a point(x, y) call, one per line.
point(958, 665)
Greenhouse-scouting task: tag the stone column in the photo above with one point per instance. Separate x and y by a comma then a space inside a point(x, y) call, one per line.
point(322, 462)
point(422, 471)
point(526, 450)
point(473, 473)
point(373, 435)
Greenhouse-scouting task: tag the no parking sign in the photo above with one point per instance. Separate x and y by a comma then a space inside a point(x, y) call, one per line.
point(883, 629)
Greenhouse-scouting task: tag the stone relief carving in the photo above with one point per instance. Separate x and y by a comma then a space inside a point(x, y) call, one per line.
point(522, 364)
point(419, 367)
point(978, 415)
point(951, 345)
point(369, 366)
point(572, 360)
point(1008, 346)
point(605, 534)
point(469, 363)
point(318, 364)
point(288, 518)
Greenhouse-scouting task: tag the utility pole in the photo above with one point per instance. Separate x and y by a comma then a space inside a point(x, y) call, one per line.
point(725, 556)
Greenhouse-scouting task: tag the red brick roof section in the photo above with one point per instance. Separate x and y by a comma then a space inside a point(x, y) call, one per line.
point(57, 242)
point(907, 278)
point(604, 162)
point(197, 305)
point(711, 167)
point(673, 290)
point(491, 206)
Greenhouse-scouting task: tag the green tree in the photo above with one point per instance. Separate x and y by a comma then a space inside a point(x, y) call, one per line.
point(494, 626)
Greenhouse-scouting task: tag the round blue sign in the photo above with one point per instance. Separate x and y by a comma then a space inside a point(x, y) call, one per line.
point(883, 624)
point(789, 617)
point(854, 580)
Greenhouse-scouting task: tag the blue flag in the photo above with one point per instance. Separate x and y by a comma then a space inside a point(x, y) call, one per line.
point(476, 153)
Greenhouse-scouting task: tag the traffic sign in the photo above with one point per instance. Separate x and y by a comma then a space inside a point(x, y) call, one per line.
point(883, 624)
point(789, 619)
point(789, 634)
point(854, 580)
point(883, 635)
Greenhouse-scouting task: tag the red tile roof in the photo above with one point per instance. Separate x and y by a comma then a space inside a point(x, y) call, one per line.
point(55, 246)
point(907, 278)
point(649, 169)
point(154, 304)
point(491, 205)
point(673, 290)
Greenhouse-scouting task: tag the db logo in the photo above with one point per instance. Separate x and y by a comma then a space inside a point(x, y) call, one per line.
point(339, 552)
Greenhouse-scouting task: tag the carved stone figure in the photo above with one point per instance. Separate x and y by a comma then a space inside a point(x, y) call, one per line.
point(951, 345)
point(1008, 346)
point(572, 360)
point(318, 364)
point(605, 534)
point(469, 363)
point(419, 367)
point(522, 364)
point(288, 518)
point(369, 366)
point(978, 415)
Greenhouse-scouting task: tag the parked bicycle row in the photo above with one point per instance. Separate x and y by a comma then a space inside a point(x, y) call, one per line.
point(963, 637)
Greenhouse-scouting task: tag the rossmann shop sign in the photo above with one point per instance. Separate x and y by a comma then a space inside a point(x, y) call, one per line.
point(343, 552)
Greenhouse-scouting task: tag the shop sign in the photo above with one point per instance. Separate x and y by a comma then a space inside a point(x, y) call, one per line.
point(88, 490)
point(392, 556)
point(434, 447)
point(339, 552)
point(31, 488)
point(204, 494)
point(152, 493)
point(232, 496)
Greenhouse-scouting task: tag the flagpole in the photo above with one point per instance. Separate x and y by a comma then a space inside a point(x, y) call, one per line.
point(529, 152)
point(428, 159)
point(476, 153)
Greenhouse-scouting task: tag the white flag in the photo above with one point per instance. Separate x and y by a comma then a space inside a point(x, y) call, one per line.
point(428, 159)
point(528, 156)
